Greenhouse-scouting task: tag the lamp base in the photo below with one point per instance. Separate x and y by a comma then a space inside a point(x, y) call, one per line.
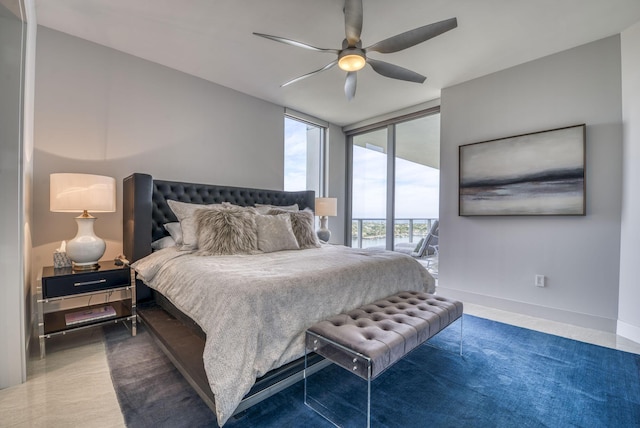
point(324, 234)
point(88, 266)
point(86, 248)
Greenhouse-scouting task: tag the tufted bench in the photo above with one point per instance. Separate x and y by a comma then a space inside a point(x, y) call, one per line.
point(368, 340)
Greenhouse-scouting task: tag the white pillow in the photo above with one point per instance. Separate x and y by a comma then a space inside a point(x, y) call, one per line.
point(185, 214)
point(175, 231)
point(161, 243)
point(275, 233)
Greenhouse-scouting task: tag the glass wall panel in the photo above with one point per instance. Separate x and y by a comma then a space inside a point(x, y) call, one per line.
point(411, 202)
point(417, 179)
point(369, 189)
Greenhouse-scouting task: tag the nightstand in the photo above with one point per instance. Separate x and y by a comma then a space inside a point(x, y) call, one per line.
point(71, 300)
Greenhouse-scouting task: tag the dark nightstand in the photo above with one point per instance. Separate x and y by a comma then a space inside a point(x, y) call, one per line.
point(90, 293)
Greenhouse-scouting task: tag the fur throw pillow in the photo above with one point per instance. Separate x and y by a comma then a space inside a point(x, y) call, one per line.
point(185, 213)
point(302, 223)
point(226, 230)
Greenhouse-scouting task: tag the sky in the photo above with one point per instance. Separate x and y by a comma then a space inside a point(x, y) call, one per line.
point(295, 149)
point(417, 186)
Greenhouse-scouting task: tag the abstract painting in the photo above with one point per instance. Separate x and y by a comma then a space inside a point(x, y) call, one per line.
point(541, 173)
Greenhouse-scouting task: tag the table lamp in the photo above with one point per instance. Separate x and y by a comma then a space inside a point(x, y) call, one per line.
point(83, 193)
point(325, 207)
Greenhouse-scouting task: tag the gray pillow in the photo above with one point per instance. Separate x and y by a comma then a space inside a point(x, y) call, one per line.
point(264, 208)
point(185, 214)
point(302, 223)
point(275, 233)
point(226, 230)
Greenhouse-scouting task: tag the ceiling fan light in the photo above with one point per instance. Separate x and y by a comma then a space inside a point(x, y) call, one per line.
point(351, 62)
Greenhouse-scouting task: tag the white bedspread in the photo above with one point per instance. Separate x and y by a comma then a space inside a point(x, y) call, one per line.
point(254, 309)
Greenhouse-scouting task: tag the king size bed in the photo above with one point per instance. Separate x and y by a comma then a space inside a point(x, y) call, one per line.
point(230, 310)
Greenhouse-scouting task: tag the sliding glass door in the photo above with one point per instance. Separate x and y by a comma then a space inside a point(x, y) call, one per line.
point(417, 179)
point(369, 190)
point(395, 182)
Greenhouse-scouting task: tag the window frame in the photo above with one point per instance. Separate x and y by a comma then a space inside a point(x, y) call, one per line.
point(322, 155)
point(390, 125)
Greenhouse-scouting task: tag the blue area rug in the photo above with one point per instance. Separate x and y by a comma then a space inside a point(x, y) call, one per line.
point(508, 377)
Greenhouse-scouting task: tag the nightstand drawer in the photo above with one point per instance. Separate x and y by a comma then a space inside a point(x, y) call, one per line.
point(66, 285)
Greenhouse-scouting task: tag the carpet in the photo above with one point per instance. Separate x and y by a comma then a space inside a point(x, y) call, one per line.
point(508, 377)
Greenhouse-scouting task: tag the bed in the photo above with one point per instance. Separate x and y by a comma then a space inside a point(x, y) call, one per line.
point(234, 324)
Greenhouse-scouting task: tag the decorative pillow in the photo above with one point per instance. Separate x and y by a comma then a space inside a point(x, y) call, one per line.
point(264, 208)
point(415, 250)
point(161, 243)
point(303, 227)
point(226, 230)
point(185, 214)
point(275, 233)
point(175, 231)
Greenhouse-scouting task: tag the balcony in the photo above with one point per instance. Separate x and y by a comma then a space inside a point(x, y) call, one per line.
point(371, 232)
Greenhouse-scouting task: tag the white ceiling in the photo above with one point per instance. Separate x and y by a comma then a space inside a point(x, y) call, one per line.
point(212, 39)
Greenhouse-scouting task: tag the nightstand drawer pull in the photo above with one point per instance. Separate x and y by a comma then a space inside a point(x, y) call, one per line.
point(100, 281)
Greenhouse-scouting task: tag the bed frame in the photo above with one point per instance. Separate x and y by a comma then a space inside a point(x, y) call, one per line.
point(145, 211)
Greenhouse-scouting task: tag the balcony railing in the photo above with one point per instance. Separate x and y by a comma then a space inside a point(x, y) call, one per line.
point(371, 232)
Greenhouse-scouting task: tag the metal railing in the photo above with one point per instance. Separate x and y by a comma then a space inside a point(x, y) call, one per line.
point(372, 231)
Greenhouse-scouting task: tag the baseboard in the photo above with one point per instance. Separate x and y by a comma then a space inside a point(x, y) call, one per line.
point(553, 314)
point(628, 331)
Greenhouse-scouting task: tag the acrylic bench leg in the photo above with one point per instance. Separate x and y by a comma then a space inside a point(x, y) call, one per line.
point(461, 332)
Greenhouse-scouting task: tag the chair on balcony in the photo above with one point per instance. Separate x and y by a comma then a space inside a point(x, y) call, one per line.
point(427, 249)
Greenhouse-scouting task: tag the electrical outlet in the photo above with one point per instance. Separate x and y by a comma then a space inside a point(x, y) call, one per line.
point(539, 281)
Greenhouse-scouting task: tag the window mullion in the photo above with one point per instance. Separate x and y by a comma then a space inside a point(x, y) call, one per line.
point(391, 174)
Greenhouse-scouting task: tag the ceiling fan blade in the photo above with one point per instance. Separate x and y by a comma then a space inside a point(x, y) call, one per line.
point(304, 76)
point(295, 43)
point(413, 37)
point(350, 85)
point(353, 20)
point(395, 71)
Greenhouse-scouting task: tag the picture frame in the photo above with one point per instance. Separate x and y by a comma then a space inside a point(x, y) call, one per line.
point(539, 173)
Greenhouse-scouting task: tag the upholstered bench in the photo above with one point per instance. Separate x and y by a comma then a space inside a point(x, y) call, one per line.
point(368, 340)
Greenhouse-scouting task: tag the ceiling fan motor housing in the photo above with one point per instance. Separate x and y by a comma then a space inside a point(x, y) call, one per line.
point(351, 59)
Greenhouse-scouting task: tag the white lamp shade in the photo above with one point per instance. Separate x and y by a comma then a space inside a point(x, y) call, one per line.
point(79, 192)
point(326, 207)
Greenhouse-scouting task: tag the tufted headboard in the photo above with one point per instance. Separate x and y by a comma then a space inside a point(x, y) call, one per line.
point(145, 209)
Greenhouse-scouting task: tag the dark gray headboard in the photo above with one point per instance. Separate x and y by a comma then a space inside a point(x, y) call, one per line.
point(145, 209)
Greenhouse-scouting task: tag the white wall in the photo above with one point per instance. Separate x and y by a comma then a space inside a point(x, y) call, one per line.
point(628, 311)
point(493, 260)
point(105, 112)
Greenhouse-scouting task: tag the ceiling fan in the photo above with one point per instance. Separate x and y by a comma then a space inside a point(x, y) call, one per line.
point(352, 57)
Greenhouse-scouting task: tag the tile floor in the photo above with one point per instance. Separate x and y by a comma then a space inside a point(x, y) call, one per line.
point(72, 386)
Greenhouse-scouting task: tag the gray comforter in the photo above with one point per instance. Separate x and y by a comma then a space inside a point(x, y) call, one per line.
point(254, 309)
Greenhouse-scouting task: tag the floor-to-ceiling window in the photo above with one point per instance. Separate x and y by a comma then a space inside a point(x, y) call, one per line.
point(417, 178)
point(395, 181)
point(303, 155)
point(369, 189)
